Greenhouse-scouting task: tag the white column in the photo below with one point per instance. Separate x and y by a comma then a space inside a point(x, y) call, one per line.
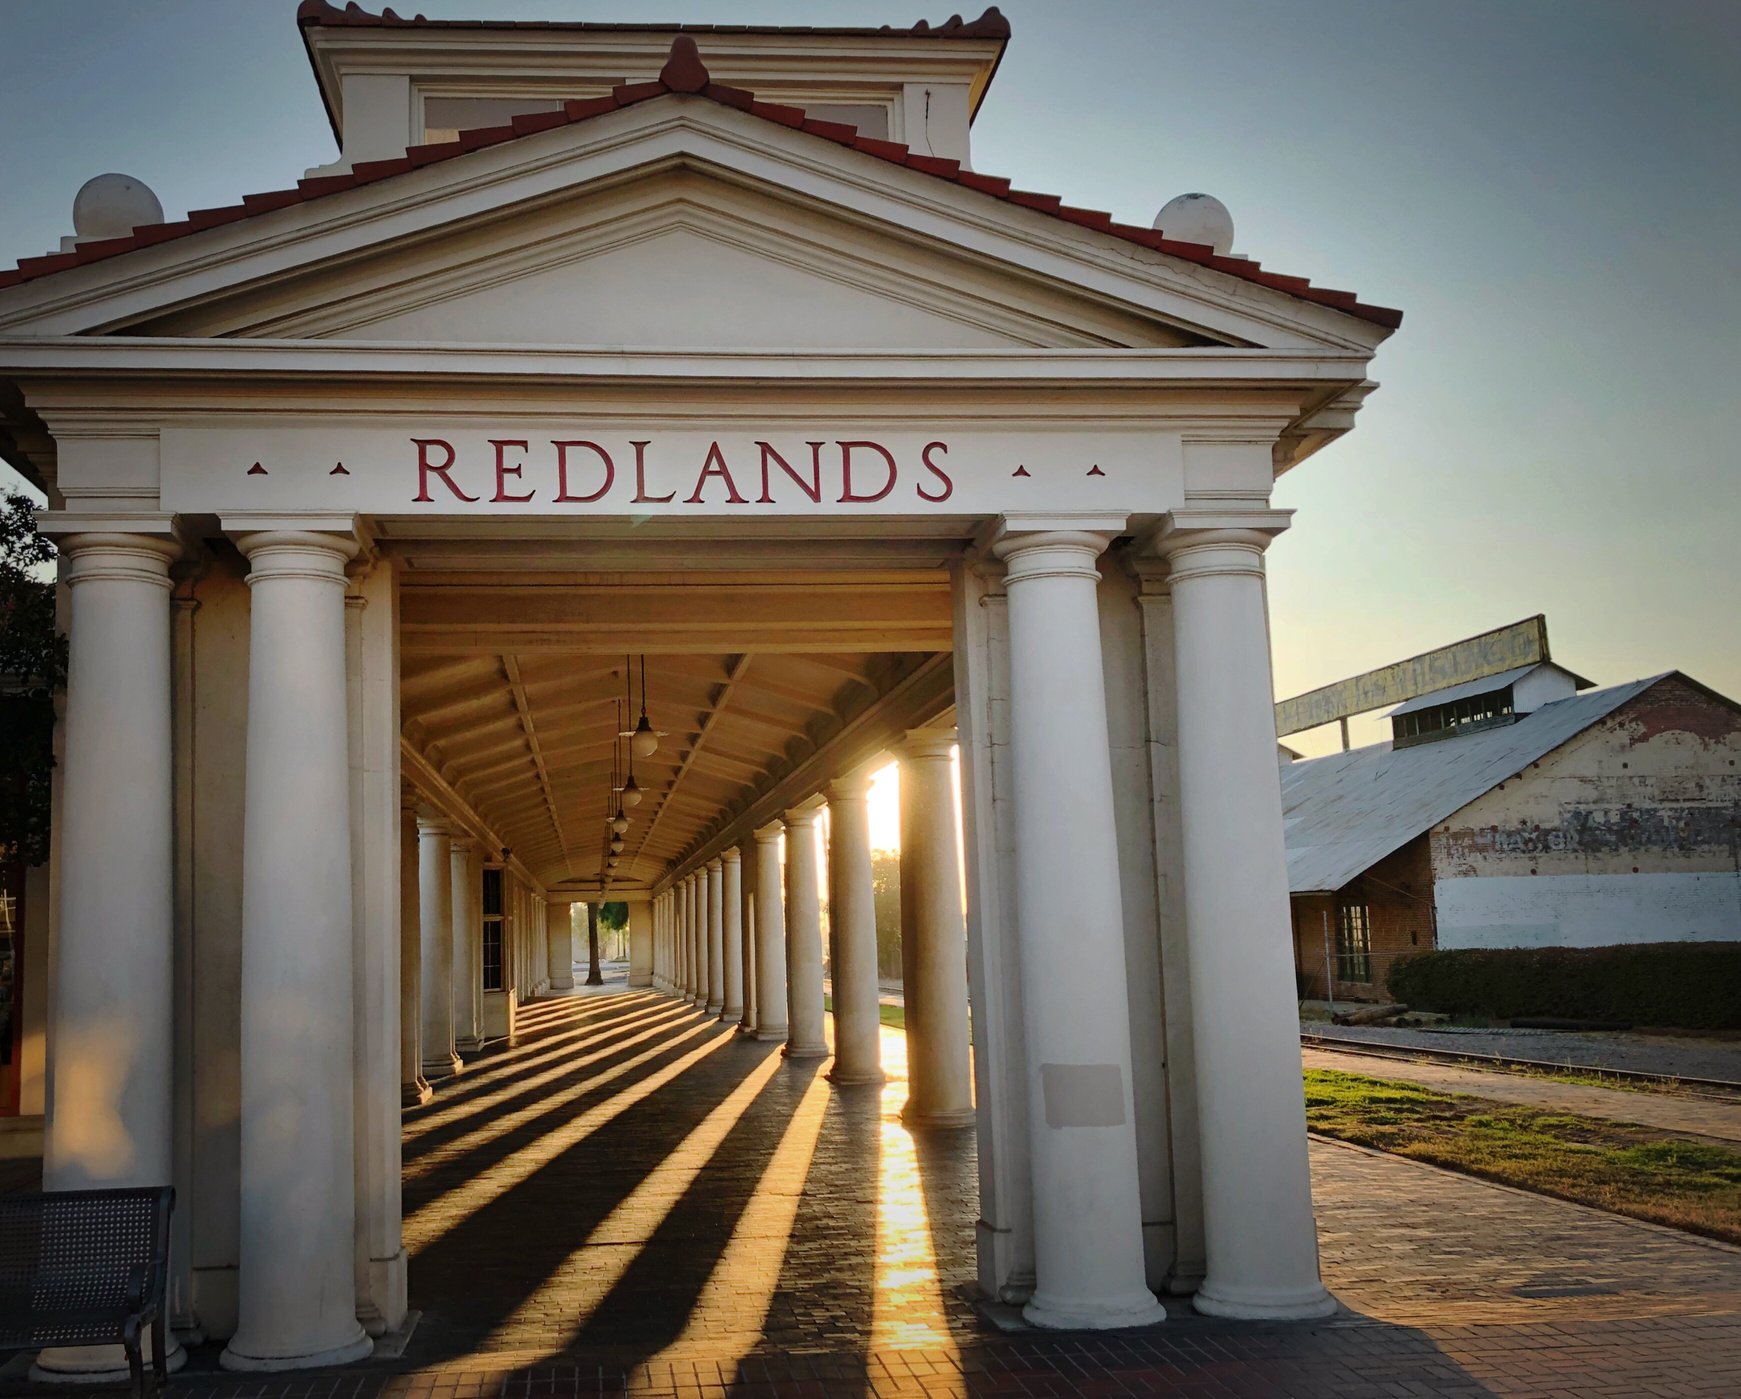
point(296, 1282)
point(639, 935)
point(679, 900)
point(435, 920)
point(695, 896)
point(939, 1068)
point(852, 928)
point(413, 1086)
point(806, 1035)
point(1088, 1251)
point(680, 939)
point(467, 972)
point(747, 917)
point(658, 981)
point(731, 914)
point(1257, 1198)
point(770, 938)
point(714, 893)
point(111, 1016)
point(560, 931)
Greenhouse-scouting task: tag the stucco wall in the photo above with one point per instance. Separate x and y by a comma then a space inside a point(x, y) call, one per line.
point(1628, 833)
point(1573, 910)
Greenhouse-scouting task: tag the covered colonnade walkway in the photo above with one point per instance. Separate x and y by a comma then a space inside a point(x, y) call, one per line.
point(372, 497)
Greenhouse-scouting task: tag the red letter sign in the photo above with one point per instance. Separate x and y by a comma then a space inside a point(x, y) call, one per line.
point(562, 471)
point(846, 492)
point(427, 468)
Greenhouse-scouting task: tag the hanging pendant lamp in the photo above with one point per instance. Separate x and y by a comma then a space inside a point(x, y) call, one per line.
point(620, 821)
point(631, 792)
point(643, 738)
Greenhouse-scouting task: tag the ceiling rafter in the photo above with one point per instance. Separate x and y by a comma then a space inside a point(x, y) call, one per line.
point(735, 670)
point(511, 669)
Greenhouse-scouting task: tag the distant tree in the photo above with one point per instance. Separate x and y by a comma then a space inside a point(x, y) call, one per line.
point(613, 917)
point(32, 668)
point(594, 977)
point(886, 888)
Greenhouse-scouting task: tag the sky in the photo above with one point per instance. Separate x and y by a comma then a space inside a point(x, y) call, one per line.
point(1549, 189)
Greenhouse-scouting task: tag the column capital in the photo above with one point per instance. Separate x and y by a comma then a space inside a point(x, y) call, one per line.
point(714, 864)
point(1199, 543)
point(1059, 544)
point(854, 787)
point(768, 834)
point(117, 556)
point(731, 855)
point(295, 553)
point(463, 844)
point(805, 814)
point(434, 825)
point(925, 743)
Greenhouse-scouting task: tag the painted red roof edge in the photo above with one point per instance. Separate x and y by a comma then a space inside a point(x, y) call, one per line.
point(685, 74)
point(323, 14)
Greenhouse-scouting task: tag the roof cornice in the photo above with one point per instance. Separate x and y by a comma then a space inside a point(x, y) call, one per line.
point(685, 75)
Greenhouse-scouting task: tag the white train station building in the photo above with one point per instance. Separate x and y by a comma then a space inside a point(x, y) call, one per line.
point(694, 374)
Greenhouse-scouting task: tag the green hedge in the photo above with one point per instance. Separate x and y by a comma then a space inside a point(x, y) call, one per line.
point(1688, 985)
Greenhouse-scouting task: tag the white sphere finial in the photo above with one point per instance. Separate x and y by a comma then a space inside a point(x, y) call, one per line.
point(112, 206)
point(1197, 218)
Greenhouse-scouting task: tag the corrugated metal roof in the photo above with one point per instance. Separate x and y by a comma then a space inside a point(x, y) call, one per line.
point(1344, 813)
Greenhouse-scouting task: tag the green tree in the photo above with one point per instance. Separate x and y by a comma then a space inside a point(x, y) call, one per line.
point(32, 668)
point(886, 887)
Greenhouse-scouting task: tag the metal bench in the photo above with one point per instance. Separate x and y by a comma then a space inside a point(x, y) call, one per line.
point(87, 1267)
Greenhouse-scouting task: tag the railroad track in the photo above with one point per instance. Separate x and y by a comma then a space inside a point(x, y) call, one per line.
point(1720, 1088)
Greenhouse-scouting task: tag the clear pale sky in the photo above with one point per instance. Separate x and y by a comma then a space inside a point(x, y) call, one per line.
point(1550, 189)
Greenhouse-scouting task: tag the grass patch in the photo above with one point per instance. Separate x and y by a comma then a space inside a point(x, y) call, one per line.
point(895, 1017)
point(1614, 1166)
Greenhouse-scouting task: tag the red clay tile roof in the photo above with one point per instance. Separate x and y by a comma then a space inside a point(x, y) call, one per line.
point(684, 73)
point(320, 13)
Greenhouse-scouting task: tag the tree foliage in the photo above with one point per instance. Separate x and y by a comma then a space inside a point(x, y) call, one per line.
point(886, 889)
point(32, 668)
point(613, 916)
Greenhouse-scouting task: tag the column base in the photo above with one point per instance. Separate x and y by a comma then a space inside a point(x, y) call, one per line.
point(1295, 1304)
point(100, 1364)
point(715, 1008)
point(806, 1051)
point(732, 1015)
point(1093, 1314)
point(471, 1044)
point(949, 1117)
point(769, 1032)
point(848, 1078)
point(358, 1349)
point(416, 1093)
point(565, 984)
point(445, 1067)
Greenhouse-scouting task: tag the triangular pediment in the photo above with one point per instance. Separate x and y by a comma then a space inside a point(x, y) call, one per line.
point(673, 260)
point(678, 223)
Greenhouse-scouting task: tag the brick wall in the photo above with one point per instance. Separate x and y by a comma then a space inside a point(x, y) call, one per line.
point(1397, 892)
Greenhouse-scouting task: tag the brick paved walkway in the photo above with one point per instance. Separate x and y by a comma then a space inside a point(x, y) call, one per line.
point(633, 1200)
point(1712, 1117)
